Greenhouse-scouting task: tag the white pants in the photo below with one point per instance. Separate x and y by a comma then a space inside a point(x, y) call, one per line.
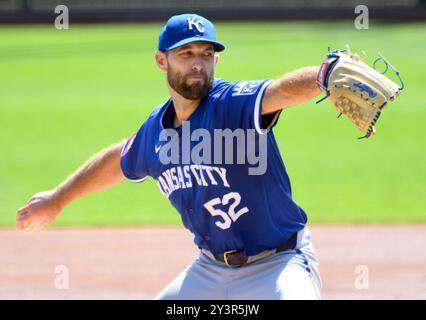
point(291, 274)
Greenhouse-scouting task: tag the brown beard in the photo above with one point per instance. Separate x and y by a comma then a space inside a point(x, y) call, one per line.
point(194, 91)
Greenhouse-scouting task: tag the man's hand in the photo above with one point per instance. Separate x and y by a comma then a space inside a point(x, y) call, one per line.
point(41, 209)
point(100, 172)
point(358, 91)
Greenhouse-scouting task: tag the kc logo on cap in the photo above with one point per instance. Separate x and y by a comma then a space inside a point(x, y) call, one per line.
point(193, 21)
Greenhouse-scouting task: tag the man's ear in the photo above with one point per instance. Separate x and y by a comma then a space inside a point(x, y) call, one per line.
point(216, 58)
point(161, 60)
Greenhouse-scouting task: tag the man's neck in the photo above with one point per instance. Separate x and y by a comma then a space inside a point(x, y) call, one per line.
point(183, 107)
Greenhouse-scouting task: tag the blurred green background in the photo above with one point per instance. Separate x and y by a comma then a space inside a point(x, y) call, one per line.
point(66, 94)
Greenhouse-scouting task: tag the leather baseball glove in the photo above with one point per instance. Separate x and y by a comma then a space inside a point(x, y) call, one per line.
point(357, 90)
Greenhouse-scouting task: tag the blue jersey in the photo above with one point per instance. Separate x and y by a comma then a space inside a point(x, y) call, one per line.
point(223, 205)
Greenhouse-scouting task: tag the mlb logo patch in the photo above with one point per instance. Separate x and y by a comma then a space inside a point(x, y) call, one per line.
point(246, 88)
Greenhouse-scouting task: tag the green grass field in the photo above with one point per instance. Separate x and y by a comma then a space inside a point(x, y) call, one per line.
point(66, 94)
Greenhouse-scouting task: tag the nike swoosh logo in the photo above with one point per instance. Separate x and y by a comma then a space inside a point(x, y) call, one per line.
point(157, 148)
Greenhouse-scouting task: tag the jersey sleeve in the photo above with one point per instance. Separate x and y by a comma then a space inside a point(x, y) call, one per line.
point(132, 157)
point(243, 107)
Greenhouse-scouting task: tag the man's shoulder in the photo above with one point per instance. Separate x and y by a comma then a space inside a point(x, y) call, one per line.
point(247, 87)
point(158, 110)
point(238, 88)
point(152, 122)
point(219, 86)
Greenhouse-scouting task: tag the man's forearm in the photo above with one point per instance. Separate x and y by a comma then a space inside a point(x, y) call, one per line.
point(100, 172)
point(291, 89)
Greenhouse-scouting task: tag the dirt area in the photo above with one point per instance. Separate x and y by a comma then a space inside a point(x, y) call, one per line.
point(356, 262)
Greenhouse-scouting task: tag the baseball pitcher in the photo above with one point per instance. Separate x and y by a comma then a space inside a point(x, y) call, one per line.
point(252, 236)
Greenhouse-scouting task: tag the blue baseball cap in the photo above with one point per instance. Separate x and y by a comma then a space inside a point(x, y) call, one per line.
point(186, 28)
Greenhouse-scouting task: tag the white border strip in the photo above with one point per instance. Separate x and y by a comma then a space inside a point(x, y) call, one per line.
point(128, 142)
point(274, 120)
point(257, 108)
point(140, 180)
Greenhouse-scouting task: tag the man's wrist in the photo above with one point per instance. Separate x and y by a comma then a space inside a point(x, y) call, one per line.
point(59, 198)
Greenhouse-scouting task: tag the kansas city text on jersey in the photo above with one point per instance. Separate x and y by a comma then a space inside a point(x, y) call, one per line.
point(182, 177)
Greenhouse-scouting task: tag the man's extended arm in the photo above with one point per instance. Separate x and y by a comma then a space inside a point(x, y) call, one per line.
point(98, 173)
point(292, 88)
